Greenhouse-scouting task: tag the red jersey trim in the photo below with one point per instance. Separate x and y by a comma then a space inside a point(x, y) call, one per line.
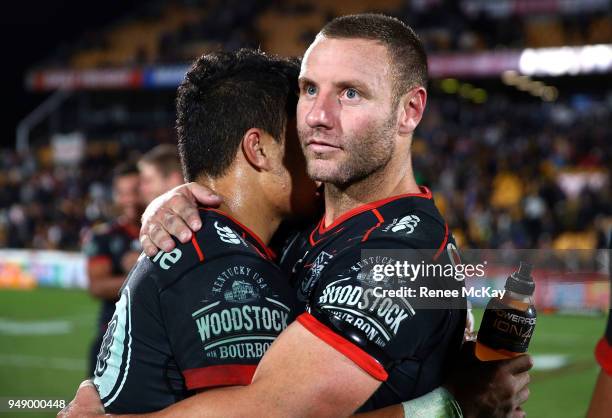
point(380, 221)
point(130, 229)
point(226, 375)
point(269, 253)
point(194, 241)
point(102, 258)
point(362, 359)
point(443, 242)
point(425, 193)
point(603, 354)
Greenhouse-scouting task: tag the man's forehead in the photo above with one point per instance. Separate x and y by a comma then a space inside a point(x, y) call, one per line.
point(345, 58)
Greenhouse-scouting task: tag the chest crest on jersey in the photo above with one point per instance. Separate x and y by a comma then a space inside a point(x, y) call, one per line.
point(313, 271)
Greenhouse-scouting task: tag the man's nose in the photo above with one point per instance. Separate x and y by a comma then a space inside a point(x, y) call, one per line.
point(323, 112)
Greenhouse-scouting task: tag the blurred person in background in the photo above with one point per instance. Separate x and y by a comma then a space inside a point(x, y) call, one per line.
point(160, 171)
point(112, 249)
point(602, 394)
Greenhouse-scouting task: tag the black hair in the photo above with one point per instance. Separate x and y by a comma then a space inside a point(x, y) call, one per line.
point(225, 94)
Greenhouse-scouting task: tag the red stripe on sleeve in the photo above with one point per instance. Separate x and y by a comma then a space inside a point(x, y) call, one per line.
point(443, 242)
point(603, 354)
point(368, 363)
point(226, 375)
point(197, 247)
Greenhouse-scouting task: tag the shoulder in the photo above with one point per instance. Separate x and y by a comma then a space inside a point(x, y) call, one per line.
point(96, 239)
point(217, 240)
point(98, 231)
point(413, 223)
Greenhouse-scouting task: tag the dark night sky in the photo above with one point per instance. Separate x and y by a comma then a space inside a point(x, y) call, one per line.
point(30, 31)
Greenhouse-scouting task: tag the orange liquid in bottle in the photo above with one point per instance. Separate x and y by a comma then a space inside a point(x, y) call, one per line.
point(508, 322)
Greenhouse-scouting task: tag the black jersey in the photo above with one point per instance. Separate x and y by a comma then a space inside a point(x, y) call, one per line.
point(108, 243)
point(197, 317)
point(408, 348)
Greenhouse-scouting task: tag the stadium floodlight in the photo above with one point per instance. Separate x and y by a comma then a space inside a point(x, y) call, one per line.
point(509, 77)
point(550, 94)
point(566, 60)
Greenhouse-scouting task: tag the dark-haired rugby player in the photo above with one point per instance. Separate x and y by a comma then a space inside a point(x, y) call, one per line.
point(202, 315)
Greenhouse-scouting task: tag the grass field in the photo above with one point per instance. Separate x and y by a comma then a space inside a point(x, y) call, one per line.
point(45, 334)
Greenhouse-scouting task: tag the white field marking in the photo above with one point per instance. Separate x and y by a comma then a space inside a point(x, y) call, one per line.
point(52, 327)
point(38, 362)
point(549, 361)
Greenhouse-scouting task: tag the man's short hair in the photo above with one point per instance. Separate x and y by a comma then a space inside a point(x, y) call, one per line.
point(405, 48)
point(222, 97)
point(164, 158)
point(127, 168)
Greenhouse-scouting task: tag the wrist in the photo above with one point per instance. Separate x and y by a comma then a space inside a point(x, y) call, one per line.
point(437, 403)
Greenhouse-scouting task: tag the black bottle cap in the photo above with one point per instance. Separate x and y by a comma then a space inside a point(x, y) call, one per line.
point(521, 281)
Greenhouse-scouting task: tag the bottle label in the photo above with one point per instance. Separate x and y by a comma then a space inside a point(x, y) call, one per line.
point(506, 328)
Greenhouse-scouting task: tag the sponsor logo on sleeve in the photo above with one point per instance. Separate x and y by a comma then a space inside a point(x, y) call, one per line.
point(227, 234)
point(405, 225)
point(167, 260)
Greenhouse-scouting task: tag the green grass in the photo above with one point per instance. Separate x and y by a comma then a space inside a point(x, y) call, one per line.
point(51, 366)
point(564, 392)
point(23, 372)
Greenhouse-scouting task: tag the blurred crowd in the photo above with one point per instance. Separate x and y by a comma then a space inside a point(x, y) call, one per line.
point(523, 175)
point(180, 30)
point(50, 207)
point(528, 175)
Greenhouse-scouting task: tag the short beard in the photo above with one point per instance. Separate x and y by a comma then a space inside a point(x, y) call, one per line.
point(367, 152)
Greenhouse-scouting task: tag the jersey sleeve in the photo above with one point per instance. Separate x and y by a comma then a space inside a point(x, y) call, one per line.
point(353, 311)
point(134, 372)
point(223, 315)
point(96, 248)
point(603, 351)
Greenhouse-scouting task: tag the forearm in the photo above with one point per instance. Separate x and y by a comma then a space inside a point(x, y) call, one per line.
point(107, 287)
point(235, 401)
point(602, 397)
point(393, 411)
point(437, 403)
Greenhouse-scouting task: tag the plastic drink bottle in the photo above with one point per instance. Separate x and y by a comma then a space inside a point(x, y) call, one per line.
point(508, 322)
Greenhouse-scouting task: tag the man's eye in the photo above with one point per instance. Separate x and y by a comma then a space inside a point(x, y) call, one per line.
point(351, 93)
point(311, 90)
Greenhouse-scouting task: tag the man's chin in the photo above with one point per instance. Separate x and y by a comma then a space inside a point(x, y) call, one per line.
point(324, 171)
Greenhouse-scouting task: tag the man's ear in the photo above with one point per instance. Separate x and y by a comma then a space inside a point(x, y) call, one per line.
point(254, 149)
point(412, 106)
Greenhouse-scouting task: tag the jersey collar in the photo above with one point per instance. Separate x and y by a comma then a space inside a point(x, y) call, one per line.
point(425, 194)
point(249, 235)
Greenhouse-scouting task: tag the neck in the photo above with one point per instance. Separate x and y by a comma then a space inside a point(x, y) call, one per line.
point(242, 202)
point(393, 179)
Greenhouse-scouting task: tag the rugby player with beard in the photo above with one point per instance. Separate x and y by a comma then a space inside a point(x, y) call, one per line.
point(362, 94)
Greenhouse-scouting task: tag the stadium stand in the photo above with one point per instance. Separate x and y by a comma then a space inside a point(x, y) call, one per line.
point(517, 172)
